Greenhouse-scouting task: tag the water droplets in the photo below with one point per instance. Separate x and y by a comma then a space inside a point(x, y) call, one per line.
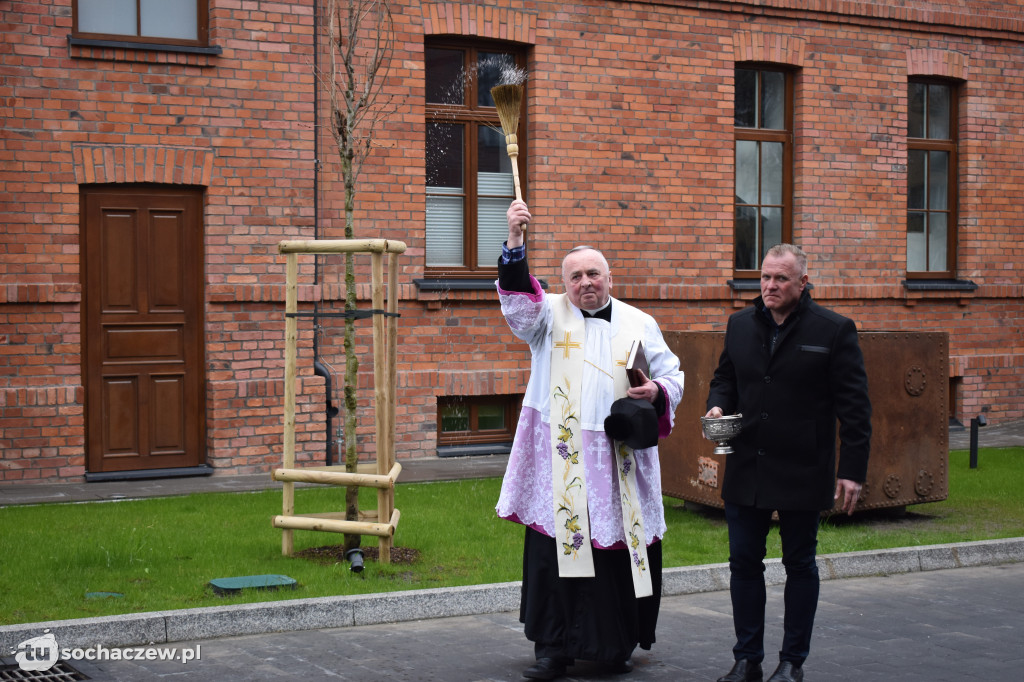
point(512, 75)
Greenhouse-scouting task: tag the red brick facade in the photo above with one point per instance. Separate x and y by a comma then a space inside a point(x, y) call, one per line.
point(630, 129)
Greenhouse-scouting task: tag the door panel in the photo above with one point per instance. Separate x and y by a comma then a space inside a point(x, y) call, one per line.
point(117, 249)
point(167, 292)
point(142, 255)
point(169, 424)
point(120, 401)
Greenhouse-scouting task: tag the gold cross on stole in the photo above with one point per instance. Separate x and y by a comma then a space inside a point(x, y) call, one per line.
point(567, 344)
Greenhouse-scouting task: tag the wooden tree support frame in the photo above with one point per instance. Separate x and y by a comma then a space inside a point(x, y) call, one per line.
point(385, 331)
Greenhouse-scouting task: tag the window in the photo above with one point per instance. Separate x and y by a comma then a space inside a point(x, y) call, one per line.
point(172, 22)
point(931, 180)
point(764, 151)
point(471, 420)
point(468, 171)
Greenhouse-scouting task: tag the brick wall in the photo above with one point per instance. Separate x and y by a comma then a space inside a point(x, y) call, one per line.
point(630, 147)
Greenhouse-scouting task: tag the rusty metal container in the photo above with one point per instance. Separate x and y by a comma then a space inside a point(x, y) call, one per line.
point(908, 385)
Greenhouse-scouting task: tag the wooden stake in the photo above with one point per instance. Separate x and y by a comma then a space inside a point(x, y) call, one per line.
point(381, 394)
point(385, 333)
point(388, 497)
point(291, 336)
point(313, 522)
point(381, 482)
point(341, 246)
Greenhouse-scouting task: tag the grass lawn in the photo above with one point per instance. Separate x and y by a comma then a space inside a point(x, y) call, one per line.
point(160, 554)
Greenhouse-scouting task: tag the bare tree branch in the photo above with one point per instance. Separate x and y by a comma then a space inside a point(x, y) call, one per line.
point(361, 40)
point(361, 36)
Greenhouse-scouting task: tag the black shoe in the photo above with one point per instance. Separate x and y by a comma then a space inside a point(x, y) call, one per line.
point(743, 670)
point(545, 669)
point(620, 667)
point(787, 672)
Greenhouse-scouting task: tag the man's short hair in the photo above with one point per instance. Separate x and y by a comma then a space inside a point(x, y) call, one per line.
point(780, 250)
point(585, 247)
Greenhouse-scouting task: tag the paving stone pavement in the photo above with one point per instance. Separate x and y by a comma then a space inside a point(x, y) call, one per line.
point(927, 626)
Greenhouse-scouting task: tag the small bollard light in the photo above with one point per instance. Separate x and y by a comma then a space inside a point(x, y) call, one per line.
point(355, 557)
point(976, 423)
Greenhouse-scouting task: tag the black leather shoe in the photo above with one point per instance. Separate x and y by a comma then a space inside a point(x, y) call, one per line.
point(620, 667)
point(743, 670)
point(787, 672)
point(545, 669)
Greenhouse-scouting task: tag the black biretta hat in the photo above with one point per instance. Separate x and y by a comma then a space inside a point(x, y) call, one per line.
point(634, 422)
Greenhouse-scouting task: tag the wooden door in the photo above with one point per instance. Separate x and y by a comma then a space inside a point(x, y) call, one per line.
point(142, 255)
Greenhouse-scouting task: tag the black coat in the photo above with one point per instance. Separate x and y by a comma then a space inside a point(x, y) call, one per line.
point(785, 457)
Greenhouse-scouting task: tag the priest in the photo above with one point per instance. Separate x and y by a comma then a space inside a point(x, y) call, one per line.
point(583, 476)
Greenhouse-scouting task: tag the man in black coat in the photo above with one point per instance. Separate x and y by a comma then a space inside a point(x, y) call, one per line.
point(791, 368)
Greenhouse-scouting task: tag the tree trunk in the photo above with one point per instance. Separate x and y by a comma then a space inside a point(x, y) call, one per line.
point(351, 369)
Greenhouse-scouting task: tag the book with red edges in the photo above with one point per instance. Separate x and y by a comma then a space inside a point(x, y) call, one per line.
point(636, 363)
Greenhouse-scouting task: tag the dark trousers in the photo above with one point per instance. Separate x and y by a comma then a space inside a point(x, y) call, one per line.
point(748, 531)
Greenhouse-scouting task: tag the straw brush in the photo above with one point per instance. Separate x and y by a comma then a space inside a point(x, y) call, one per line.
point(507, 99)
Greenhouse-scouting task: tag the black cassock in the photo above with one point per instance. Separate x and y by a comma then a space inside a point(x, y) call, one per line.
point(595, 619)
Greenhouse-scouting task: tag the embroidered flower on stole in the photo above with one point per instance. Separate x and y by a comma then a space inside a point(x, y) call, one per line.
point(568, 451)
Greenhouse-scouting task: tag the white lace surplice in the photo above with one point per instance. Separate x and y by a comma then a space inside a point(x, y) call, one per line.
point(526, 491)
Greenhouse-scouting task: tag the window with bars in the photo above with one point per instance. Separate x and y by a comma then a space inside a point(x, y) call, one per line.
point(763, 131)
point(170, 22)
point(468, 171)
point(931, 179)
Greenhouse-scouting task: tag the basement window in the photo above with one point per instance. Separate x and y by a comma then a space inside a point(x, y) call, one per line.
point(476, 424)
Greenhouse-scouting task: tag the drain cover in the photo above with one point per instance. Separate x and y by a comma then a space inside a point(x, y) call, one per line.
point(58, 672)
point(259, 582)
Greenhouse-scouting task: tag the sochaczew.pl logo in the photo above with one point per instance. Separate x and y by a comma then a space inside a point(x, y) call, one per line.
point(41, 653)
point(38, 654)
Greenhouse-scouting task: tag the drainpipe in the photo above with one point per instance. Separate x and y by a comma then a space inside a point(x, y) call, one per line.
point(316, 136)
point(331, 410)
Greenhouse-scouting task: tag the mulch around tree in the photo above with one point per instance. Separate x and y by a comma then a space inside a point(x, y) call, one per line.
point(332, 554)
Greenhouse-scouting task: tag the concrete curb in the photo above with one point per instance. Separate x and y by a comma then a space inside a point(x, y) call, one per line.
point(160, 627)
